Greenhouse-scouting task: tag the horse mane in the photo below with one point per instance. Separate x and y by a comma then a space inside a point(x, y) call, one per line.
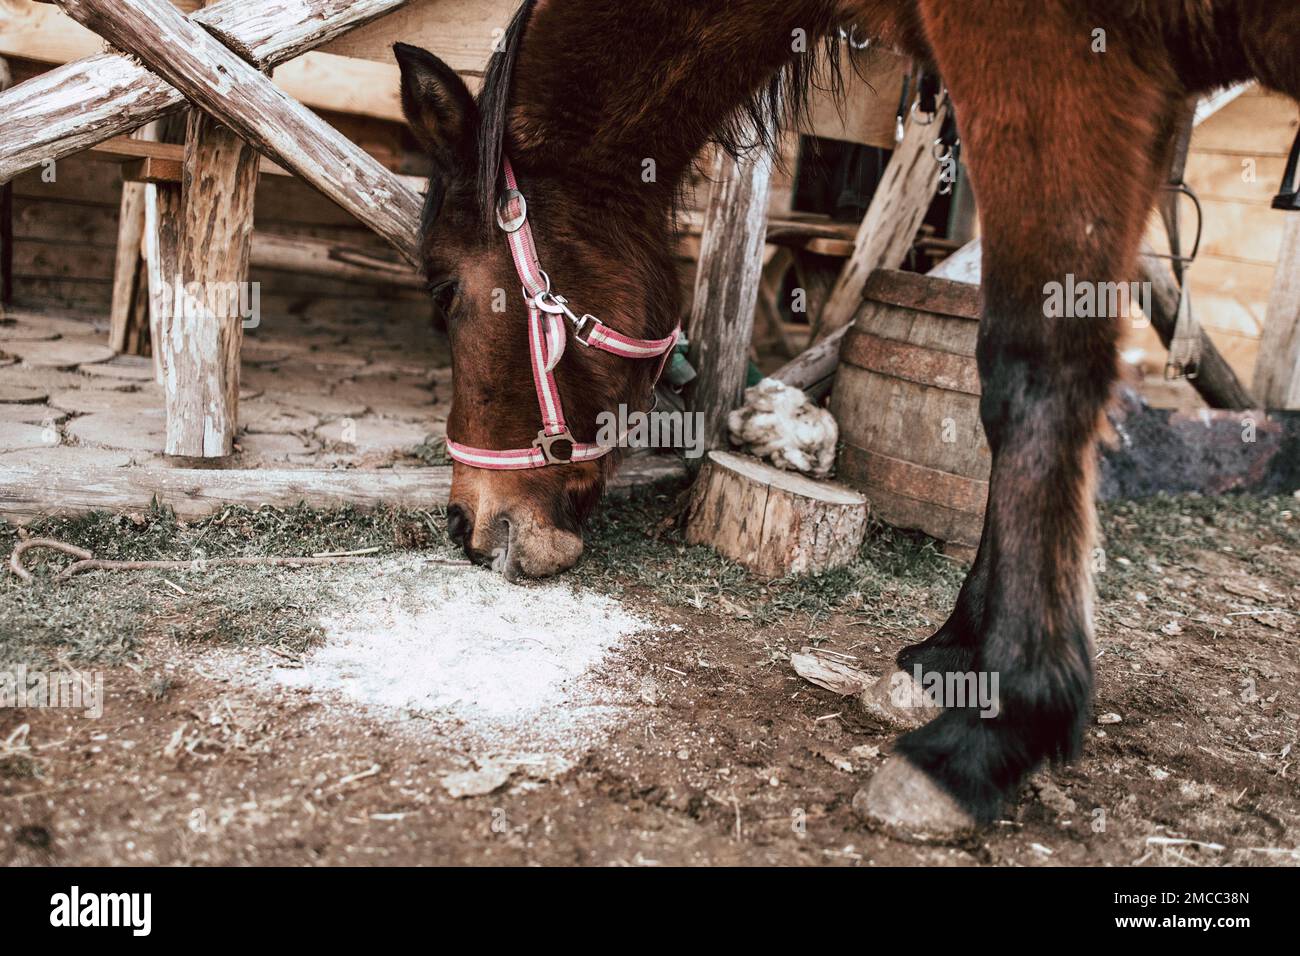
point(756, 124)
point(494, 107)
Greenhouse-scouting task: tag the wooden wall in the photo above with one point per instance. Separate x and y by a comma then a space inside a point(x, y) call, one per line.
point(1242, 238)
point(65, 236)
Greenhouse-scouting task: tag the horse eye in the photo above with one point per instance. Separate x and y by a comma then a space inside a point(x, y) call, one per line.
point(444, 294)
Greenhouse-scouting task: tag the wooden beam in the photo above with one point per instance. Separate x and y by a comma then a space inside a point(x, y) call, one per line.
point(85, 102)
point(726, 287)
point(151, 162)
point(157, 160)
point(890, 225)
point(28, 493)
point(232, 91)
point(323, 258)
point(1277, 371)
point(321, 80)
point(6, 215)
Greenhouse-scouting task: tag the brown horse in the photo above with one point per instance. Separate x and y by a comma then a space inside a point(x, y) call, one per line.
point(1066, 145)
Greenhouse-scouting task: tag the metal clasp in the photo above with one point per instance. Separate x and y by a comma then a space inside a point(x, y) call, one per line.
point(547, 443)
point(549, 301)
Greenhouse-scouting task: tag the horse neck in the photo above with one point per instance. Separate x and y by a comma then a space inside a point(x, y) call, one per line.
point(625, 95)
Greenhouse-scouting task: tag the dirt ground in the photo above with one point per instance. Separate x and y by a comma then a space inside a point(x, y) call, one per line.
point(723, 756)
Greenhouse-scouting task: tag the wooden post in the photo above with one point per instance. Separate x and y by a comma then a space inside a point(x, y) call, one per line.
point(77, 105)
point(234, 92)
point(726, 287)
point(162, 226)
point(1277, 371)
point(891, 222)
point(6, 215)
point(130, 236)
point(202, 332)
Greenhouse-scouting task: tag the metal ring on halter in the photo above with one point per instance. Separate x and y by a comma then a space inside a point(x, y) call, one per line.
point(530, 298)
point(515, 223)
point(916, 115)
point(546, 444)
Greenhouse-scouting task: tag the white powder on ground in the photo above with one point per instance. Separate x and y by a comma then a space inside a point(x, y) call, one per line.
point(513, 669)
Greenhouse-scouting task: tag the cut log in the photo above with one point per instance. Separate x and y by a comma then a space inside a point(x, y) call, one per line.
point(726, 287)
point(891, 222)
point(235, 93)
point(1277, 371)
point(201, 335)
point(774, 522)
point(87, 101)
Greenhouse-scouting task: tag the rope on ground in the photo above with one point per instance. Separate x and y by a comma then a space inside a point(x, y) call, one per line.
point(88, 562)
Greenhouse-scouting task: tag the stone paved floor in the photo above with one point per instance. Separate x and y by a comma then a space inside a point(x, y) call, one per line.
point(318, 390)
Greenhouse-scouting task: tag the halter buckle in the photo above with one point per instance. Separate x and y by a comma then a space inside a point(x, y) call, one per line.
point(546, 443)
point(583, 326)
point(514, 223)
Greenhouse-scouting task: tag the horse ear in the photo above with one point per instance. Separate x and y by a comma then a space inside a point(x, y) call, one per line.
point(438, 106)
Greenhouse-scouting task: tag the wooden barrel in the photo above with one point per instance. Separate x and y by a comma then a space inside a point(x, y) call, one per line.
point(907, 401)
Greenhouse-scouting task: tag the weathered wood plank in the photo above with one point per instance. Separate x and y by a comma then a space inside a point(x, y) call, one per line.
point(130, 250)
point(234, 92)
point(29, 493)
point(726, 287)
point(40, 32)
point(6, 215)
point(891, 222)
point(85, 102)
point(1277, 372)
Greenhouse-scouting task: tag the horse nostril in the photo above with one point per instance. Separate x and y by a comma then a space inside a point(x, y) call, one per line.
point(459, 525)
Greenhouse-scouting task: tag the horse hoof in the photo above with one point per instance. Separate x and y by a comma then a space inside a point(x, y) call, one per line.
point(905, 803)
point(898, 701)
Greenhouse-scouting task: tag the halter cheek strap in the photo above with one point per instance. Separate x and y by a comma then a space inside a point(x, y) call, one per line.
point(548, 314)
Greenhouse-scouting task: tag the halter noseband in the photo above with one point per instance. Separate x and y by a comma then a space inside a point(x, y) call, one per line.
point(547, 338)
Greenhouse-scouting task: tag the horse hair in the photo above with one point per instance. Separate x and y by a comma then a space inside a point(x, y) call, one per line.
point(756, 124)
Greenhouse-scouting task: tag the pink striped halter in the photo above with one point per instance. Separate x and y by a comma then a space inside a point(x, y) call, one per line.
point(547, 338)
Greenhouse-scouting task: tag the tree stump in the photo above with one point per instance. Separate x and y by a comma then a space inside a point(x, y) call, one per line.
point(774, 522)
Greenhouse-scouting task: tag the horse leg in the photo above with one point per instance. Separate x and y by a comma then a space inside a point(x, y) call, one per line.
point(1064, 167)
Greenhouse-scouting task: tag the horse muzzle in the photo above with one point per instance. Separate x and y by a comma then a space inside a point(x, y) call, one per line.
point(515, 543)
